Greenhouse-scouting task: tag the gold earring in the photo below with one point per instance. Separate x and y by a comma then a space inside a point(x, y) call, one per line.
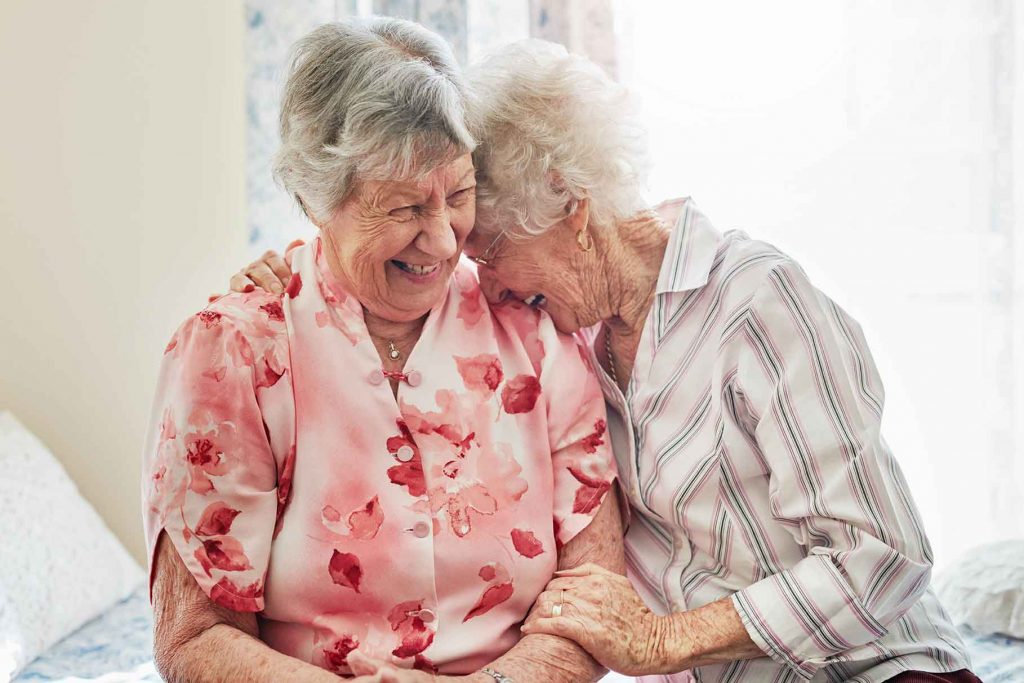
point(584, 241)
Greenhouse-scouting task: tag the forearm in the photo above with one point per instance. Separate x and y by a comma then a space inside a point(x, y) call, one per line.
point(224, 653)
point(542, 657)
point(713, 634)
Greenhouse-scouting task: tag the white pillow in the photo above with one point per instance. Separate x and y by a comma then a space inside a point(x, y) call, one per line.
point(985, 589)
point(60, 565)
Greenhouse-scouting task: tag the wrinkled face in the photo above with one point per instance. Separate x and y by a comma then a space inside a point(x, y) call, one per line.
point(544, 271)
point(394, 245)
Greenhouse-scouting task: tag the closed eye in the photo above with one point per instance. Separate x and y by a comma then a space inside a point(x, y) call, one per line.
point(403, 212)
point(462, 195)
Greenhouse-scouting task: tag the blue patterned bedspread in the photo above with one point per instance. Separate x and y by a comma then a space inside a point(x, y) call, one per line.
point(118, 647)
point(115, 647)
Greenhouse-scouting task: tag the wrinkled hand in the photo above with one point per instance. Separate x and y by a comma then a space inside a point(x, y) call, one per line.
point(270, 272)
point(603, 613)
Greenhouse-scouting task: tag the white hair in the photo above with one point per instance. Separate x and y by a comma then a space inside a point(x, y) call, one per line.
point(368, 100)
point(553, 129)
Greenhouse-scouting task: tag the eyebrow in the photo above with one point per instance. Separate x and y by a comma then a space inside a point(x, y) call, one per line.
point(470, 171)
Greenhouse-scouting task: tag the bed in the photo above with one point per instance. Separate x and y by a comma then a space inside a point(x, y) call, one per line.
point(76, 608)
point(117, 647)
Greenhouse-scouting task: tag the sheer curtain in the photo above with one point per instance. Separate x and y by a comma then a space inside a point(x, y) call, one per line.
point(876, 142)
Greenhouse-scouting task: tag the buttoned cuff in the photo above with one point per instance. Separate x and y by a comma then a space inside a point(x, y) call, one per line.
point(805, 615)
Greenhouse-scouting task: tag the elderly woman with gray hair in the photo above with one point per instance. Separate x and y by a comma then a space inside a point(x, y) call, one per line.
point(773, 536)
point(370, 472)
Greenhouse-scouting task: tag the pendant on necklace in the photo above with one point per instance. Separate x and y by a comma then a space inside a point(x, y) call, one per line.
point(393, 352)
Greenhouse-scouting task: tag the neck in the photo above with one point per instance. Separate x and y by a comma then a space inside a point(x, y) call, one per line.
point(403, 334)
point(632, 253)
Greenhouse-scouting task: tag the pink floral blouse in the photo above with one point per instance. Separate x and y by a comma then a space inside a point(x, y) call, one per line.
point(420, 530)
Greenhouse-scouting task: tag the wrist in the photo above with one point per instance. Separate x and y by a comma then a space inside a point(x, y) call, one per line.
point(672, 649)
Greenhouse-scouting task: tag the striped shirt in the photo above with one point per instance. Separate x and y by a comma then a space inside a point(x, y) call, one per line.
point(749, 446)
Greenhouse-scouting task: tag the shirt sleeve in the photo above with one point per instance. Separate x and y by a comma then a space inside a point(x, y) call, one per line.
point(584, 468)
point(209, 474)
point(815, 403)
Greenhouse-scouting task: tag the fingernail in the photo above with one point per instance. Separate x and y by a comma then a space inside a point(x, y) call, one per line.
point(249, 288)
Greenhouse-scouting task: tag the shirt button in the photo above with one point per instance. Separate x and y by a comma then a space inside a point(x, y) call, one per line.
point(414, 378)
point(404, 453)
point(426, 615)
point(375, 377)
point(421, 530)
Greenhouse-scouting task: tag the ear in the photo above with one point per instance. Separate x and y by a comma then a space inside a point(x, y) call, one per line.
point(578, 217)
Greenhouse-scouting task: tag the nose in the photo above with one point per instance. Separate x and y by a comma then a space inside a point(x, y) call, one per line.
point(437, 238)
point(491, 287)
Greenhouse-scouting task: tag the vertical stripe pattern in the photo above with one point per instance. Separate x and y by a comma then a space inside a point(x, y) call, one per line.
point(756, 470)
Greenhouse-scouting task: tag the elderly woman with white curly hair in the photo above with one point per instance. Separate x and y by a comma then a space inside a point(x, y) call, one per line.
point(773, 536)
point(369, 471)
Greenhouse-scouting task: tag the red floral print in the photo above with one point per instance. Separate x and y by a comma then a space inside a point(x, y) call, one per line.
point(381, 519)
point(363, 523)
point(216, 520)
point(284, 488)
point(337, 656)
point(480, 373)
point(205, 459)
point(345, 570)
point(209, 318)
point(294, 286)
point(519, 394)
point(408, 474)
point(592, 441)
point(471, 304)
point(591, 492)
point(526, 544)
point(227, 594)
point(499, 590)
point(273, 310)
point(414, 635)
point(223, 553)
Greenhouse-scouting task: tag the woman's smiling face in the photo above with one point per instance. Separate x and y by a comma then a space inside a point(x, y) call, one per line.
point(394, 244)
point(546, 271)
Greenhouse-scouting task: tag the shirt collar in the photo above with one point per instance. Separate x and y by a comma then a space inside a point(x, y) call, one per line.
point(690, 252)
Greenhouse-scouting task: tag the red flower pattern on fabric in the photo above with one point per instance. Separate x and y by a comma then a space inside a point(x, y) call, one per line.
point(414, 635)
point(336, 656)
point(227, 594)
point(363, 523)
point(222, 461)
point(499, 590)
point(480, 373)
point(520, 394)
point(223, 553)
point(590, 493)
point(526, 544)
point(592, 441)
point(294, 286)
point(216, 520)
point(345, 570)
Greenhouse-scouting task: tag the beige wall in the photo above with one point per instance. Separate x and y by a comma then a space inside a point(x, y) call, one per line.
point(121, 208)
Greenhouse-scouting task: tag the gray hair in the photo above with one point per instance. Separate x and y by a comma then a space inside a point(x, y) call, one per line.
point(554, 129)
point(368, 100)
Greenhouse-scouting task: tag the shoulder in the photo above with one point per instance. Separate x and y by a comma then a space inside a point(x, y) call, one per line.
point(250, 323)
point(743, 267)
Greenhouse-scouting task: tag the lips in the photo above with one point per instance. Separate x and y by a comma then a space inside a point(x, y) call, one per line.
point(415, 269)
